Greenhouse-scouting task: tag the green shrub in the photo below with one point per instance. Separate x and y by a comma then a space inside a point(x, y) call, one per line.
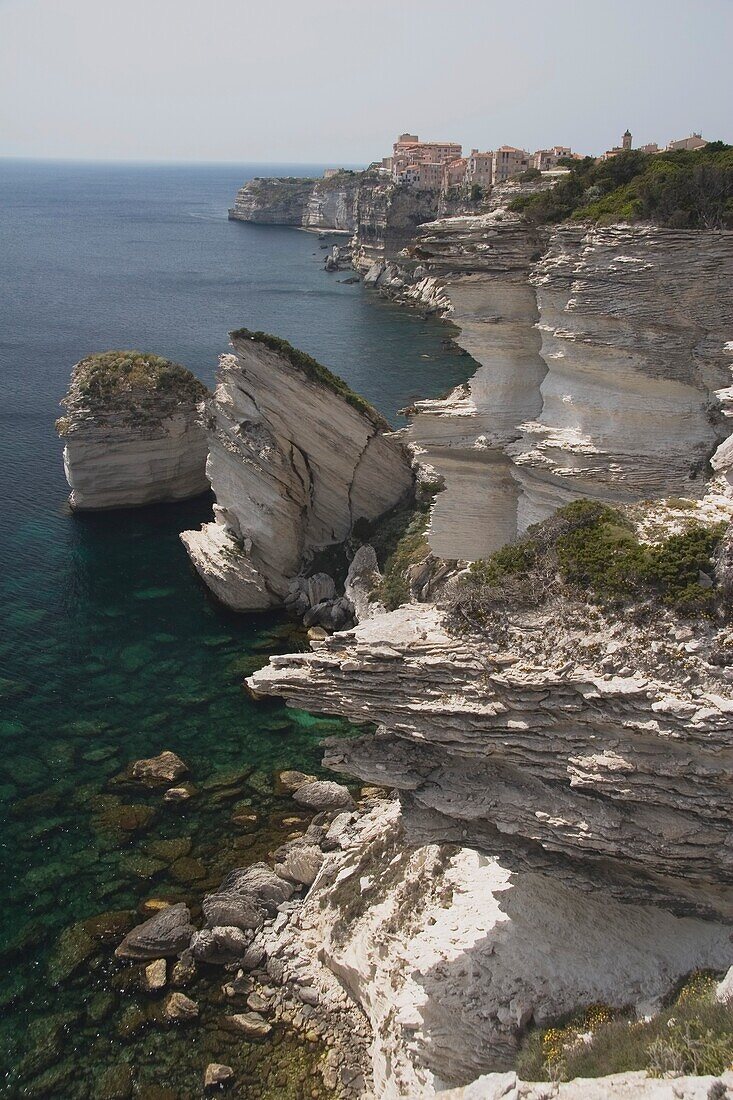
point(108, 375)
point(590, 548)
point(683, 190)
point(412, 547)
point(693, 1034)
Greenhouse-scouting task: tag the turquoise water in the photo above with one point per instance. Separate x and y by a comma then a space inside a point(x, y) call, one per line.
point(110, 649)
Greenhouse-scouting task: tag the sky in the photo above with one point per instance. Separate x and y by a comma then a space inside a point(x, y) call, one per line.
point(334, 81)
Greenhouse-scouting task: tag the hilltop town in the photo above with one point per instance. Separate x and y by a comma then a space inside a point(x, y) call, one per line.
point(442, 166)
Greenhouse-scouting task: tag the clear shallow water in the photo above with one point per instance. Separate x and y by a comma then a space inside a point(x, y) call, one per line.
point(110, 649)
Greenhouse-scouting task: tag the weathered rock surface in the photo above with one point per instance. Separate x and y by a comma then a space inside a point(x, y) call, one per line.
point(295, 459)
point(450, 954)
point(220, 945)
point(217, 1075)
point(167, 933)
point(250, 1024)
point(619, 1086)
point(312, 203)
point(615, 781)
point(131, 432)
point(155, 975)
point(602, 368)
point(179, 1008)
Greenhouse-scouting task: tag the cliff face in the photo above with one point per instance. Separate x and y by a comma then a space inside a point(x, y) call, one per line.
point(600, 353)
point(295, 459)
point(449, 954)
point(388, 217)
point(273, 201)
point(536, 753)
point(131, 433)
point(312, 203)
point(383, 217)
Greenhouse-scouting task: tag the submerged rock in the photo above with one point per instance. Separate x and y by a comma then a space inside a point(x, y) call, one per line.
point(165, 768)
point(131, 432)
point(179, 1008)
point(73, 947)
point(322, 794)
point(165, 934)
point(217, 1075)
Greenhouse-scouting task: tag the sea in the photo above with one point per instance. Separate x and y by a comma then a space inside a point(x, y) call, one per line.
point(110, 648)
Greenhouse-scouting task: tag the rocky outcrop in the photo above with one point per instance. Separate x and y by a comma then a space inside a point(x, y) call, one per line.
point(273, 200)
point(382, 215)
point(295, 460)
point(601, 359)
point(536, 752)
point(388, 216)
point(131, 433)
point(450, 954)
point(328, 204)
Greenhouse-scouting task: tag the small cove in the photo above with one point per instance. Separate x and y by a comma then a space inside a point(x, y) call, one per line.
point(110, 648)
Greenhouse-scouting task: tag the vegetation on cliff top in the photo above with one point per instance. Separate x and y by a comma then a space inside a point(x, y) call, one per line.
point(679, 190)
point(588, 548)
point(109, 380)
point(316, 372)
point(693, 1034)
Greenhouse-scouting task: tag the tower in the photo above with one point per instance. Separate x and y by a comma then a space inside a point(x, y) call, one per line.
point(626, 140)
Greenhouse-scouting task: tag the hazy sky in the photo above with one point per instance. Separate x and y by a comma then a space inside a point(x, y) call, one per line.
point(335, 80)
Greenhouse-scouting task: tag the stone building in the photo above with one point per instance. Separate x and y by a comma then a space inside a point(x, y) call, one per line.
point(508, 162)
point(545, 159)
point(693, 142)
point(408, 150)
point(480, 168)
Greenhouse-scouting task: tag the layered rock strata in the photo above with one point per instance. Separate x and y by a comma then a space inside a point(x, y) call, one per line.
point(383, 216)
point(131, 432)
point(450, 955)
point(328, 204)
point(618, 781)
point(601, 357)
point(295, 460)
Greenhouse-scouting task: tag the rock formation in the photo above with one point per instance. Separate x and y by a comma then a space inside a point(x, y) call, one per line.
point(328, 203)
point(383, 216)
point(295, 459)
point(131, 433)
point(610, 780)
point(601, 359)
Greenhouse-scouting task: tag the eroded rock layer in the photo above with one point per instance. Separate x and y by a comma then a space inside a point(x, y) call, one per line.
point(601, 353)
point(610, 781)
point(295, 459)
point(131, 432)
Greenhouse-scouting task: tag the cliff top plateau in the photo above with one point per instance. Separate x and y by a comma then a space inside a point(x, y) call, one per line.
point(111, 383)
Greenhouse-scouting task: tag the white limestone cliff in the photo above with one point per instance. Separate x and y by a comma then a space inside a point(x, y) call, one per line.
point(131, 433)
point(601, 357)
point(450, 954)
point(295, 460)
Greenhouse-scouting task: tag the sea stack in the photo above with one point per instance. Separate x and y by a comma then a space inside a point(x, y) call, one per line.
point(131, 432)
point(295, 460)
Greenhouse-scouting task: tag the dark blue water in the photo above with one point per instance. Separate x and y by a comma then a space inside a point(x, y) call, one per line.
point(110, 649)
